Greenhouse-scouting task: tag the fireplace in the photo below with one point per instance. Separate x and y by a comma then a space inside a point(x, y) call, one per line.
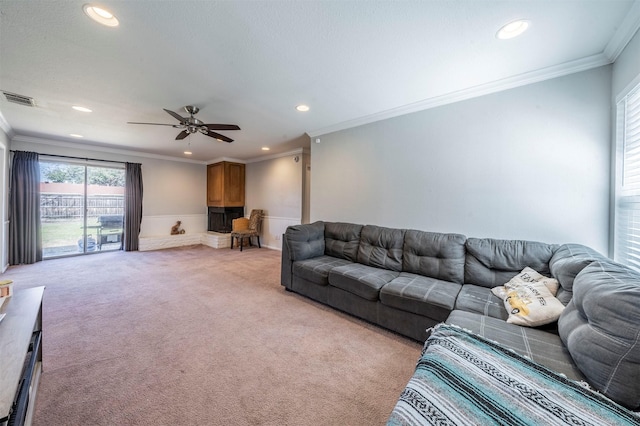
point(220, 218)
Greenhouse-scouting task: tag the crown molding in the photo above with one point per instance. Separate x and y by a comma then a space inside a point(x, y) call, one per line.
point(280, 155)
point(42, 141)
point(261, 158)
point(230, 159)
point(524, 79)
point(72, 145)
point(627, 29)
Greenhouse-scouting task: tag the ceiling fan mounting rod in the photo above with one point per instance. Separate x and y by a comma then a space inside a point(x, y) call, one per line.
point(191, 109)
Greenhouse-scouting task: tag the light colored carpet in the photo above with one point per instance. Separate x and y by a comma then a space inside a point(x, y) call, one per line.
point(199, 336)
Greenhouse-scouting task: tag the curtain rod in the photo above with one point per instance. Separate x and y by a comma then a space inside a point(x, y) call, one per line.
point(79, 158)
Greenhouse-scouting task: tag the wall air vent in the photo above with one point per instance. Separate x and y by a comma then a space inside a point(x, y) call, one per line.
point(19, 99)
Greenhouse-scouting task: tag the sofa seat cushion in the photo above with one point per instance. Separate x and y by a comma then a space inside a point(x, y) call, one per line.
point(601, 329)
point(361, 280)
point(539, 346)
point(420, 295)
point(481, 300)
point(317, 269)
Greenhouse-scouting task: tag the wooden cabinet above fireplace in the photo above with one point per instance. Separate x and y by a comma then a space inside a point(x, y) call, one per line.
point(225, 184)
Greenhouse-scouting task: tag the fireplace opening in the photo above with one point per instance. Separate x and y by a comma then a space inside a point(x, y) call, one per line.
point(220, 218)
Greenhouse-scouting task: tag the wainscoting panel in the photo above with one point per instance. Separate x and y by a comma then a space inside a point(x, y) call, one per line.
point(156, 232)
point(272, 229)
point(153, 226)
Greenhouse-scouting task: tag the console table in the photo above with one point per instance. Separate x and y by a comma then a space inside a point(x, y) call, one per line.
point(20, 355)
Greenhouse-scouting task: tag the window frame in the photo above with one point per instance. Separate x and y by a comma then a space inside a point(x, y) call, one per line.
point(626, 197)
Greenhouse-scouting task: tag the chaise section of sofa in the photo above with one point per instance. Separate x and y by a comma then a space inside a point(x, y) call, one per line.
point(601, 330)
point(535, 344)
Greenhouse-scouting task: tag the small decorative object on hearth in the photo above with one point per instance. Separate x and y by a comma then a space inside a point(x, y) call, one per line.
point(6, 288)
point(175, 229)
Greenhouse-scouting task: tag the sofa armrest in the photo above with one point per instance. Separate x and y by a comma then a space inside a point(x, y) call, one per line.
point(567, 262)
point(304, 241)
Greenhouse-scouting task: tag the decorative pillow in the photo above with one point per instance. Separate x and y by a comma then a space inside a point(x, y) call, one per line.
point(529, 299)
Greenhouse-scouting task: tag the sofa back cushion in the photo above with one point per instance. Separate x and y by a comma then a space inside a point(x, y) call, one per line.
point(341, 240)
point(601, 330)
point(381, 247)
point(567, 262)
point(305, 241)
point(491, 262)
point(434, 255)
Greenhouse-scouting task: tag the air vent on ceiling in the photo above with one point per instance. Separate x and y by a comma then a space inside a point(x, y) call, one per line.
point(19, 99)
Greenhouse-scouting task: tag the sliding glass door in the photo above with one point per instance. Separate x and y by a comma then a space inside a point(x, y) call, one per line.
point(81, 208)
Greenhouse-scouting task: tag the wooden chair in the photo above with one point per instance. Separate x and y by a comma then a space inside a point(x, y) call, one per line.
point(242, 228)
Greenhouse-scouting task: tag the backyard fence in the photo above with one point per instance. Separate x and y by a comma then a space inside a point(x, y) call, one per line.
point(70, 206)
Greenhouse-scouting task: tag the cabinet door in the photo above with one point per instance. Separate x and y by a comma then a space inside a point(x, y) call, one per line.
point(234, 185)
point(215, 185)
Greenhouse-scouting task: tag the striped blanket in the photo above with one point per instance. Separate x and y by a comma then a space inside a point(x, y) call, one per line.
point(464, 379)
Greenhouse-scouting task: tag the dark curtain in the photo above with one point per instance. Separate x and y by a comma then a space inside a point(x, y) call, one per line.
point(133, 206)
point(25, 237)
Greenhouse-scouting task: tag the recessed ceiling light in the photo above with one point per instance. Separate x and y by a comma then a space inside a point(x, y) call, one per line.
point(75, 135)
point(188, 153)
point(302, 108)
point(100, 15)
point(512, 29)
point(81, 108)
point(265, 148)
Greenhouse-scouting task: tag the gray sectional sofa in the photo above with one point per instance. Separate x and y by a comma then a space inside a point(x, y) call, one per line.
point(410, 280)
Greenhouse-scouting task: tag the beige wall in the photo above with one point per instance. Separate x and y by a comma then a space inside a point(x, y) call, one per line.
point(527, 163)
point(276, 186)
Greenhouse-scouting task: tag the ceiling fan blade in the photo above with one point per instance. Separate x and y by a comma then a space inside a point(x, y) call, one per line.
point(219, 137)
point(222, 127)
point(183, 134)
point(175, 115)
point(154, 124)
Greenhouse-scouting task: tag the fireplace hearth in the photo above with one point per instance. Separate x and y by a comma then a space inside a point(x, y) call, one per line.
point(220, 218)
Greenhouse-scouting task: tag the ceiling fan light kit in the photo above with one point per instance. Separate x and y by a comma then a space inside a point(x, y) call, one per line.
point(192, 125)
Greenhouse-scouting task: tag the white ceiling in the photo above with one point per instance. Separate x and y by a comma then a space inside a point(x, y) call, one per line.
point(251, 62)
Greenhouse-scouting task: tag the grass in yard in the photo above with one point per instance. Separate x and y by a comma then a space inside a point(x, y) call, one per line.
point(61, 232)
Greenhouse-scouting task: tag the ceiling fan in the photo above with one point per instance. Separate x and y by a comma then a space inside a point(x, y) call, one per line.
point(193, 125)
